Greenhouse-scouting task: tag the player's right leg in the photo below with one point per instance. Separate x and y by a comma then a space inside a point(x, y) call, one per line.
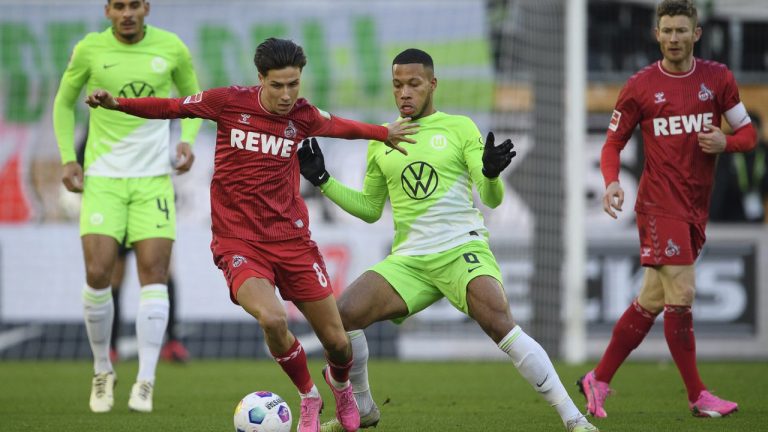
point(98, 311)
point(628, 332)
point(118, 273)
point(102, 222)
point(257, 297)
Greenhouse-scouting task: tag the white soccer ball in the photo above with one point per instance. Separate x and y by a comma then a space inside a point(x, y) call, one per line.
point(262, 411)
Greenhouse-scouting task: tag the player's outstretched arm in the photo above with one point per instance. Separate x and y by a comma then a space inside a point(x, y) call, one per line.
point(101, 98)
point(613, 199)
point(496, 158)
point(398, 132)
point(367, 204)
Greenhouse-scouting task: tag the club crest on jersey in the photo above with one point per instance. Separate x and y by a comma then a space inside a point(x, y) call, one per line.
point(244, 118)
point(238, 260)
point(659, 98)
point(159, 64)
point(439, 142)
point(615, 118)
point(290, 130)
point(672, 249)
point(705, 94)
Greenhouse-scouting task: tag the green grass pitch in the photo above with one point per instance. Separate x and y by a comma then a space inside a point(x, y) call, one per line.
point(413, 396)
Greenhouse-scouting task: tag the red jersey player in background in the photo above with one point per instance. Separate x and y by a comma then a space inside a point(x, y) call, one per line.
point(260, 224)
point(678, 103)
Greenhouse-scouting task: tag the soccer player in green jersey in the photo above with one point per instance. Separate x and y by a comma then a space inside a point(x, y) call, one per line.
point(125, 181)
point(441, 243)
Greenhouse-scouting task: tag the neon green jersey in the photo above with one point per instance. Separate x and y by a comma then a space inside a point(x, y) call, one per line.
point(430, 189)
point(120, 145)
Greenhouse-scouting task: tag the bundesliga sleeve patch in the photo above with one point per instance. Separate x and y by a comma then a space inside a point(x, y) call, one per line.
point(615, 118)
point(195, 98)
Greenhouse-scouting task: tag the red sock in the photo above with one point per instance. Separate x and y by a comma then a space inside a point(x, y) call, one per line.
point(294, 363)
point(340, 372)
point(678, 330)
point(628, 332)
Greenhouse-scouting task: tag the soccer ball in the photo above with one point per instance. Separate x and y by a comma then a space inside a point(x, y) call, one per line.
point(262, 411)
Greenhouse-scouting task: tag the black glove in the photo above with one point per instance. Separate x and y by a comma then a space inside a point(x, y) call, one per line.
point(495, 159)
point(311, 162)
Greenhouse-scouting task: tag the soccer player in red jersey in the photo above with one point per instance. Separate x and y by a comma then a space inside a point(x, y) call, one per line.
point(678, 103)
point(260, 224)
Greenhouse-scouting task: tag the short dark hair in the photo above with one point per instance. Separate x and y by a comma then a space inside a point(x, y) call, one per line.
point(276, 53)
point(414, 55)
point(677, 7)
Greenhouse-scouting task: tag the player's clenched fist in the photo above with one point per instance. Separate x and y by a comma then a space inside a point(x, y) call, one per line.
point(496, 158)
point(101, 98)
point(312, 162)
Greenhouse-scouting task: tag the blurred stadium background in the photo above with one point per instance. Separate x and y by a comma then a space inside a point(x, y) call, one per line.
point(545, 72)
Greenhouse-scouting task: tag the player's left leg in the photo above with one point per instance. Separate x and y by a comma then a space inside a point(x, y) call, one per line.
point(489, 307)
point(152, 257)
point(301, 275)
point(477, 291)
point(679, 292)
point(324, 318)
point(151, 231)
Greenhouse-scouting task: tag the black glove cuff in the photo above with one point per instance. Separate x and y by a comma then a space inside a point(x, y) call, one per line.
point(320, 179)
point(490, 175)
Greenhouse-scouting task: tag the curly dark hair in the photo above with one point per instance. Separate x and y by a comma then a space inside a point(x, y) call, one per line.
point(677, 7)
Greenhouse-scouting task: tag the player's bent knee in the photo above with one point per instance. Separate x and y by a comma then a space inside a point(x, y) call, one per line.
point(273, 323)
point(336, 343)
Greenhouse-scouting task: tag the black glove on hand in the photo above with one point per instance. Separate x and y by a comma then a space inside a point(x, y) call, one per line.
point(495, 159)
point(311, 162)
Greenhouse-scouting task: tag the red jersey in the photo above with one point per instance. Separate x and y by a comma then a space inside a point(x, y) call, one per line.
point(255, 186)
point(671, 109)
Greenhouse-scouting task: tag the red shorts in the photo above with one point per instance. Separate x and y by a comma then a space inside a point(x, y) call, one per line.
point(295, 266)
point(666, 241)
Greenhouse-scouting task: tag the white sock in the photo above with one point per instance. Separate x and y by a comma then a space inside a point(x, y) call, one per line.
point(358, 375)
point(313, 393)
point(99, 311)
point(534, 365)
point(151, 322)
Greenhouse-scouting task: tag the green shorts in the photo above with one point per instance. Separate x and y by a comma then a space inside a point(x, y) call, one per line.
point(130, 209)
point(424, 279)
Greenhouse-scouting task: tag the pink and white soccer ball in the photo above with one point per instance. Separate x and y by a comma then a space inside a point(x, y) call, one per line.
point(262, 411)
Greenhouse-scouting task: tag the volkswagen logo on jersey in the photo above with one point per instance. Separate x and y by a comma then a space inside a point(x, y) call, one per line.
point(290, 130)
point(419, 180)
point(705, 94)
point(137, 89)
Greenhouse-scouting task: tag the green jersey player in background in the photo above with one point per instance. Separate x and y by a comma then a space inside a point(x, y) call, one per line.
point(125, 181)
point(441, 242)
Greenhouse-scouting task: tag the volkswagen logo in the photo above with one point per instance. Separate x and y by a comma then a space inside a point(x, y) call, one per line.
point(137, 89)
point(419, 180)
